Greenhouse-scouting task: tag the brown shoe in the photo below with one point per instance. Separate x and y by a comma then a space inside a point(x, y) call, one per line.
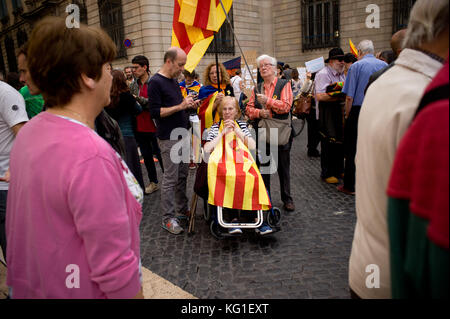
point(290, 207)
point(342, 189)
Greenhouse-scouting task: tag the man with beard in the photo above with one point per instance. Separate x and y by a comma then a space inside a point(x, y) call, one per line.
point(168, 108)
point(330, 106)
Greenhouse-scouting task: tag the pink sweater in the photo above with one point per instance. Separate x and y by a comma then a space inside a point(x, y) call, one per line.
point(69, 204)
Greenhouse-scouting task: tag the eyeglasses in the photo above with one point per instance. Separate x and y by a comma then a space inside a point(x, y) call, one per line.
point(266, 65)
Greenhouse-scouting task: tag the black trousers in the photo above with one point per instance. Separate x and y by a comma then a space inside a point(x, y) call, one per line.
point(331, 158)
point(132, 159)
point(283, 164)
point(313, 130)
point(350, 141)
point(149, 146)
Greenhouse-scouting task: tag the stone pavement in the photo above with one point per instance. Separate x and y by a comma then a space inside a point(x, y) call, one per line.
point(308, 258)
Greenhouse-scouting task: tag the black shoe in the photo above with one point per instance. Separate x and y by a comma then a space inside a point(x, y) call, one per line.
point(290, 207)
point(313, 153)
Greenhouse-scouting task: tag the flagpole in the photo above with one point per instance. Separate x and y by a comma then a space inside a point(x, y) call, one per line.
point(237, 41)
point(217, 62)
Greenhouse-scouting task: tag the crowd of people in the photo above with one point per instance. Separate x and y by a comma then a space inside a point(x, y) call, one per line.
point(84, 133)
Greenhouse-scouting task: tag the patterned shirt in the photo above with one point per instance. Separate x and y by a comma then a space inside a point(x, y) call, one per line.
point(214, 130)
point(281, 106)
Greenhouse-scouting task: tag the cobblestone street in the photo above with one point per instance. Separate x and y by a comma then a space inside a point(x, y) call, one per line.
point(307, 259)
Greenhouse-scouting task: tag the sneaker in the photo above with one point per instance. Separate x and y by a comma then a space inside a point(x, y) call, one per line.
point(172, 226)
point(153, 187)
point(264, 229)
point(234, 230)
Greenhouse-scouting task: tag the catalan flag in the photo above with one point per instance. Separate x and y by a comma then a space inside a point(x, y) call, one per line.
point(234, 180)
point(353, 49)
point(205, 112)
point(194, 24)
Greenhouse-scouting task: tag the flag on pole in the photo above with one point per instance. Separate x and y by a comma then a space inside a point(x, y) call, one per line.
point(353, 49)
point(194, 24)
point(234, 180)
point(233, 65)
point(205, 112)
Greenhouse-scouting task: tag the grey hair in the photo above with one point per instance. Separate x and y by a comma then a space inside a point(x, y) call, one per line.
point(263, 57)
point(428, 19)
point(366, 47)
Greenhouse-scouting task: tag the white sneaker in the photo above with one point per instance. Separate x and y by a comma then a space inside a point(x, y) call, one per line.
point(153, 187)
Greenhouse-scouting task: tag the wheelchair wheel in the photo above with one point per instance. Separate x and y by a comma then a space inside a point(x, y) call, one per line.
point(215, 230)
point(274, 217)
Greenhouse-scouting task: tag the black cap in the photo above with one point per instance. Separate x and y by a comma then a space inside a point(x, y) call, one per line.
point(335, 53)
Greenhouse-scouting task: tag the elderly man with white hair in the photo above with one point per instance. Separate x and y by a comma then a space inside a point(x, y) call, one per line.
point(273, 99)
point(386, 113)
point(357, 78)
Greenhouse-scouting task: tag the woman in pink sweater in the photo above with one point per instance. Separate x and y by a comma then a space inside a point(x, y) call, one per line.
point(73, 208)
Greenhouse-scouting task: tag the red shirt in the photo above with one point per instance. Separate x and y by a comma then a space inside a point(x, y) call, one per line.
point(144, 122)
point(281, 106)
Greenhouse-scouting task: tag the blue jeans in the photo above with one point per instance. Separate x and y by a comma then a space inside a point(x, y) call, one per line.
point(3, 196)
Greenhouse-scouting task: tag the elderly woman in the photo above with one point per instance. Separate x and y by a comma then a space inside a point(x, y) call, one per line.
point(73, 210)
point(274, 101)
point(230, 112)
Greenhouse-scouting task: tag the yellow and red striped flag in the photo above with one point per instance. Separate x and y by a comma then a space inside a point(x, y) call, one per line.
point(205, 112)
point(234, 180)
point(353, 49)
point(194, 24)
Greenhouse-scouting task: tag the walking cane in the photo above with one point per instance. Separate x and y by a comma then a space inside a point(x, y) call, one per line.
point(192, 214)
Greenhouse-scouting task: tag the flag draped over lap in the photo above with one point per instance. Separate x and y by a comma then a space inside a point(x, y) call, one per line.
point(194, 24)
point(234, 180)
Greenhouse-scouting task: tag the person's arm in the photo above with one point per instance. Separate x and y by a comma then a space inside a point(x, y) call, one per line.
point(188, 102)
point(214, 140)
point(17, 127)
point(348, 106)
point(251, 111)
point(247, 139)
point(105, 225)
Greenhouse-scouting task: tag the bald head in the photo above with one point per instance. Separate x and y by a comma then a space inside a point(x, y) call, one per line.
point(397, 40)
point(173, 53)
point(174, 62)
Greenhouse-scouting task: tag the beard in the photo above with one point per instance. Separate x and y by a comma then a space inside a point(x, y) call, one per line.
point(338, 68)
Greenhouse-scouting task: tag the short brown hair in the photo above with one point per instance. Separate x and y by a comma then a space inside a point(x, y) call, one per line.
point(222, 70)
point(58, 56)
point(235, 103)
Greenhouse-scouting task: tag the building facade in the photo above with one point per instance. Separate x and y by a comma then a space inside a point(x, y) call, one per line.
point(294, 31)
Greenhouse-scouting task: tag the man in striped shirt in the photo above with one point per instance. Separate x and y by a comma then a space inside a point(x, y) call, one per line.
point(272, 104)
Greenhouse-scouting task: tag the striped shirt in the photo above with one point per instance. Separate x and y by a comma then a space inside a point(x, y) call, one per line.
point(281, 106)
point(214, 130)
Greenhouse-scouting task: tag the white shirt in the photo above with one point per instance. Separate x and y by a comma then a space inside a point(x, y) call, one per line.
point(12, 112)
point(386, 113)
point(236, 82)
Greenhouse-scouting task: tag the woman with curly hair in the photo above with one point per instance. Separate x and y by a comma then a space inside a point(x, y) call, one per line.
point(212, 94)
